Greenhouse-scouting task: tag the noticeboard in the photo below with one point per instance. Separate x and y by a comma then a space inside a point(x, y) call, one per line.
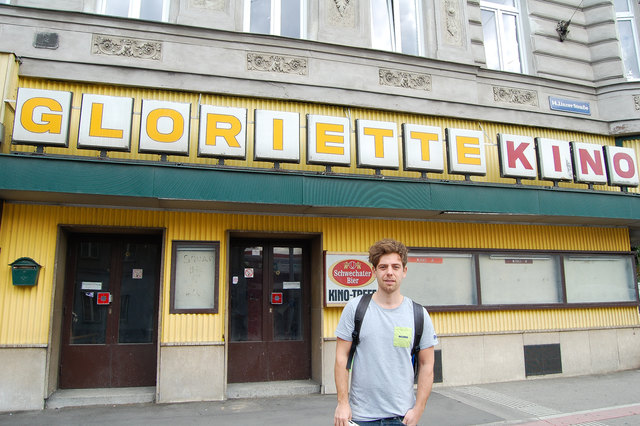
point(194, 277)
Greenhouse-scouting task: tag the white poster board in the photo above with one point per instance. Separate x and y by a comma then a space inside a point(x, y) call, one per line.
point(195, 277)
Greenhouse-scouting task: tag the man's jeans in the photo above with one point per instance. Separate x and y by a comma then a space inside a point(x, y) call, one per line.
point(392, 421)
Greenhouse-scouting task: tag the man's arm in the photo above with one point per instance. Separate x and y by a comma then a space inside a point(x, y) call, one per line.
point(343, 410)
point(426, 359)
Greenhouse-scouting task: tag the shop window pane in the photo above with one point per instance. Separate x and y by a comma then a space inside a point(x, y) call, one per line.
point(290, 19)
point(151, 10)
point(593, 279)
point(519, 279)
point(260, 16)
point(440, 279)
point(490, 31)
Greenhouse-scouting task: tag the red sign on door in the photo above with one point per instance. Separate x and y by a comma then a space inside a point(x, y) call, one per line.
point(104, 298)
point(276, 298)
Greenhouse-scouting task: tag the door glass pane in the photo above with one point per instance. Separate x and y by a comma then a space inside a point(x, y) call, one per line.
point(137, 293)
point(381, 21)
point(246, 294)
point(117, 8)
point(629, 52)
point(408, 26)
point(490, 31)
point(260, 16)
point(510, 48)
point(89, 320)
point(151, 10)
point(287, 288)
point(290, 19)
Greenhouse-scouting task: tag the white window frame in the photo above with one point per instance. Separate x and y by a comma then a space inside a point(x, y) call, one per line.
point(499, 10)
point(395, 26)
point(629, 16)
point(134, 9)
point(276, 17)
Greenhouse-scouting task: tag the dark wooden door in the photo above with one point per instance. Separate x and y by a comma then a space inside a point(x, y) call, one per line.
point(110, 313)
point(269, 322)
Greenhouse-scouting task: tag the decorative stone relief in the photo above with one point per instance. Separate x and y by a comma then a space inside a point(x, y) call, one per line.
point(453, 24)
point(636, 102)
point(130, 47)
point(515, 96)
point(276, 63)
point(342, 12)
point(208, 4)
point(407, 80)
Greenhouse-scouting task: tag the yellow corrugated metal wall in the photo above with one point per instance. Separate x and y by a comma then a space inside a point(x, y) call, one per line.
point(31, 230)
point(489, 129)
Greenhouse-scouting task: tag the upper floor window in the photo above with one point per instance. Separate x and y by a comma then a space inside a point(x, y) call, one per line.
point(502, 35)
point(152, 10)
point(628, 31)
point(395, 26)
point(276, 17)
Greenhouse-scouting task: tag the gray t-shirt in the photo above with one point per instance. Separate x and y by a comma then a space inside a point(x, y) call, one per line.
point(382, 373)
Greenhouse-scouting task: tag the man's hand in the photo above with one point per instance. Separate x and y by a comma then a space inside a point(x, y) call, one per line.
point(342, 415)
point(412, 417)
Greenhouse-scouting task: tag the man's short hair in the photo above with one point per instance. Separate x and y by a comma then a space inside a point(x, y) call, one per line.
point(387, 246)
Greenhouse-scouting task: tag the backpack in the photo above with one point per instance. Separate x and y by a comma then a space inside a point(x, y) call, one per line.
point(418, 319)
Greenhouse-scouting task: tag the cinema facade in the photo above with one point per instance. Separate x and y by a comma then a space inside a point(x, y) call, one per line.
point(186, 227)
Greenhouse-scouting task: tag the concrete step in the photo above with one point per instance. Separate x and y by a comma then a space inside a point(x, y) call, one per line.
point(104, 396)
point(271, 389)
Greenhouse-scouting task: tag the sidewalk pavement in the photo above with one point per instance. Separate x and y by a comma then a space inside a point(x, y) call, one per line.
point(608, 399)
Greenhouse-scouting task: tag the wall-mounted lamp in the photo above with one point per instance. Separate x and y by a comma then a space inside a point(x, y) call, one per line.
point(563, 29)
point(563, 26)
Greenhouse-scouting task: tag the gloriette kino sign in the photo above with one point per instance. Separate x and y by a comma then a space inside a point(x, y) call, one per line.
point(43, 117)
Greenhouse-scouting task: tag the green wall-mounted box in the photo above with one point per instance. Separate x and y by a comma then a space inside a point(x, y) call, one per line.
point(24, 271)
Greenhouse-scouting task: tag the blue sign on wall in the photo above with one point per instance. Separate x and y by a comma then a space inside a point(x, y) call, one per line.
point(567, 105)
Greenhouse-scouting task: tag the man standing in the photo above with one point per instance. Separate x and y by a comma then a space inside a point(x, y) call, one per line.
point(382, 376)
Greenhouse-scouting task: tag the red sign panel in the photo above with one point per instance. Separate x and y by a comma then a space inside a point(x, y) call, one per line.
point(351, 273)
point(276, 298)
point(424, 259)
point(103, 298)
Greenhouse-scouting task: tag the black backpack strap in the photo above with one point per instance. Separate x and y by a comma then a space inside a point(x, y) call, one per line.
point(357, 323)
point(418, 322)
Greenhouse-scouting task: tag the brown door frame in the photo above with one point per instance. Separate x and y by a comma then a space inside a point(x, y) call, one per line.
point(268, 242)
point(72, 238)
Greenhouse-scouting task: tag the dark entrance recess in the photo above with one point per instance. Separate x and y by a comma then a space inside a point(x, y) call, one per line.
point(269, 322)
point(542, 359)
point(109, 336)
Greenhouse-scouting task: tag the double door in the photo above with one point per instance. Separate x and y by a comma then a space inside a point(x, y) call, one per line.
point(109, 336)
point(269, 315)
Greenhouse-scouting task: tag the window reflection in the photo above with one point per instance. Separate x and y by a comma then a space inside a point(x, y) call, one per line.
point(276, 17)
point(628, 33)
point(395, 26)
point(502, 38)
